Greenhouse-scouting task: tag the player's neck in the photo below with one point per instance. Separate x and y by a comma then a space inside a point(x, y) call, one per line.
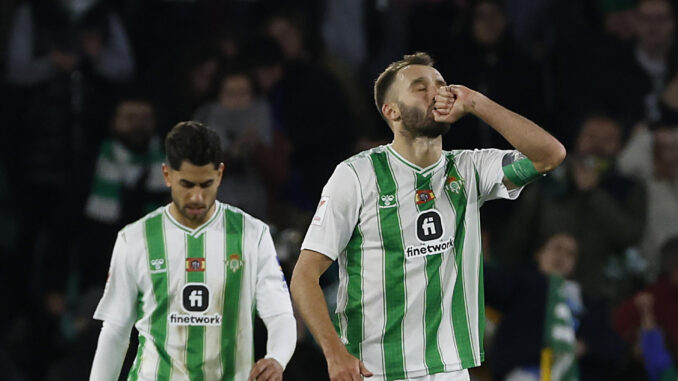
point(190, 223)
point(421, 151)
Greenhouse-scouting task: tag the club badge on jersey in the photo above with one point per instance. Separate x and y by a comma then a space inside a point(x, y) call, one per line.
point(234, 262)
point(454, 184)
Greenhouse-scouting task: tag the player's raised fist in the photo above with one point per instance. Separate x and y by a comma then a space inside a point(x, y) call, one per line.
point(452, 102)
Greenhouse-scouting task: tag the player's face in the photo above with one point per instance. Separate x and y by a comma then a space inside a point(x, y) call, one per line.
point(194, 190)
point(416, 86)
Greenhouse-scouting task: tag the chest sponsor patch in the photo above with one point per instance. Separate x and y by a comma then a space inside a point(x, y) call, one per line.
point(319, 216)
point(429, 248)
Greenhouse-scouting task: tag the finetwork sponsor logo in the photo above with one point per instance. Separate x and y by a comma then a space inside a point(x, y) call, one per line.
point(201, 320)
point(428, 249)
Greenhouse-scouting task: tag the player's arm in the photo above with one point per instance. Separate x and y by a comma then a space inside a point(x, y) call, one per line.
point(544, 152)
point(311, 305)
point(110, 354)
point(117, 309)
point(275, 309)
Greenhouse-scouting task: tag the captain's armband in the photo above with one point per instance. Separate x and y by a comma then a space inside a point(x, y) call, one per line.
point(521, 172)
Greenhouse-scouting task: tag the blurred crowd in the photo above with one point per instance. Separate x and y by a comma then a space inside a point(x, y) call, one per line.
point(90, 88)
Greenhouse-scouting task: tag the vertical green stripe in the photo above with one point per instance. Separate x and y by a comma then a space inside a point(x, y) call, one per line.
point(394, 271)
point(459, 314)
point(233, 267)
point(433, 313)
point(481, 308)
point(134, 372)
point(155, 241)
point(196, 334)
point(354, 303)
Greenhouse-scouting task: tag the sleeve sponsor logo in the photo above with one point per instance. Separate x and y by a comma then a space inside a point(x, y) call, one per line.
point(319, 216)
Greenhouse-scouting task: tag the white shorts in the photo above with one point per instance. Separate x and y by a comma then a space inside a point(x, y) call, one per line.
point(459, 375)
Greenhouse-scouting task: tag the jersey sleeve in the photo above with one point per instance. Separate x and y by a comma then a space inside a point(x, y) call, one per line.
point(489, 165)
point(118, 304)
point(337, 214)
point(272, 294)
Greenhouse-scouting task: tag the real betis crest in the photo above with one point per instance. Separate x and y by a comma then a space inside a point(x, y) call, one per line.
point(454, 184)
point(234, 262)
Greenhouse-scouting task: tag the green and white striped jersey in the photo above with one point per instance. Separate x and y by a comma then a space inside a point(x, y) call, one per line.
point(407, 240)
point(192, 293)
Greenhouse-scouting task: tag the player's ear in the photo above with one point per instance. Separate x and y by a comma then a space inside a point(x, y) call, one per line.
point(391, 111)
point(166, 175)
point(221, 172)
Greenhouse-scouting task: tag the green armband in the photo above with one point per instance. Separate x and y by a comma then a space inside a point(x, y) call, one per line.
point(521, 172)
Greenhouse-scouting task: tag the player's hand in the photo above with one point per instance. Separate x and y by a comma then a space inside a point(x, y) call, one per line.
point(345, 367)
point(453, 102)
point(266, 370)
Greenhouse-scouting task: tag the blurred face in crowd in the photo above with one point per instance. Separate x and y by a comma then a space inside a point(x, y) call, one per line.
point(600, 137)
point(412, 92)
point(621, 23)
point(654, 24)
point(558, 256)
point(489, 23)
point(134, 124)
point(666, 153)
point(194, 190)
point(288, 36)
point(202, 75)
point(236, 92)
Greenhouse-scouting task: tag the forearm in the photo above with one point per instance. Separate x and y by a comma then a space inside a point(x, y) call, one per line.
point(282, 337)
point(110, 353)
point(545, 151)
point(310, 303)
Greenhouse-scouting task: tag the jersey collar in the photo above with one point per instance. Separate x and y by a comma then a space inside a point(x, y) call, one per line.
point(416, 168)
point(200, 229)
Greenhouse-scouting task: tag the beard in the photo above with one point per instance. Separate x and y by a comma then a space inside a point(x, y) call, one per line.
point(419, 123)
point(197, 218)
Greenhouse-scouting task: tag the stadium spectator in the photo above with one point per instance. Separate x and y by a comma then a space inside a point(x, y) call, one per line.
point(651, 156)
point(628, 319)
point(127, 184)
point(656, 358)
point(243, 122)
point(604, 211)
point(308, 110)
point(527, 300)
point(493, 64)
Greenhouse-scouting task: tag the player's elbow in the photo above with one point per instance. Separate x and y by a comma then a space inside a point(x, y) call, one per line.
point(555, 157)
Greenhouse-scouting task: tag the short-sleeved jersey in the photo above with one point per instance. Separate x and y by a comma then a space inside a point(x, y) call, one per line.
point(407, 240)
point(192, 293)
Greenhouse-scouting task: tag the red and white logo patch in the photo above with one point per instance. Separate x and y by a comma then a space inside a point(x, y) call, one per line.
point(319, 216)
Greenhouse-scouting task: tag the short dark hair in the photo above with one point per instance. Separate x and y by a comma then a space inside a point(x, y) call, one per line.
point(386, 78)
point(193, 142)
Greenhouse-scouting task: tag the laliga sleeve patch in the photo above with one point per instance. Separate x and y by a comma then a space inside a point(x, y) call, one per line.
point(521, 172)
point(319, 216)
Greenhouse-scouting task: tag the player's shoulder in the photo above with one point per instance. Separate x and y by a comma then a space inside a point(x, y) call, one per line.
point(361, 163)
point(136, 228)
point(250, 223)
